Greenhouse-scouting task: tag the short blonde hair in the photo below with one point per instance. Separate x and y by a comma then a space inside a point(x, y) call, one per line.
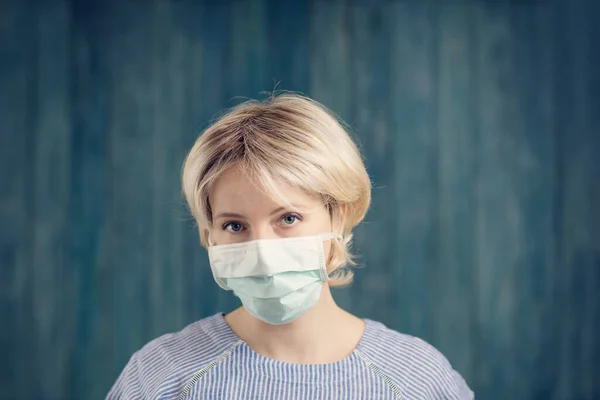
point(289, 138)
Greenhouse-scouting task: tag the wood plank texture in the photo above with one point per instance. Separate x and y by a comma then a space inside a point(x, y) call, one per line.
point(92, 355)
point(454, 299)
point(52, 309)
point(498, 210)
point(413, 98)
point(534, 68)
point(17, 126)
point(480, 126)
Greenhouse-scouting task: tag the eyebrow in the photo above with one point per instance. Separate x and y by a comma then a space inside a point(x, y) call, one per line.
point(235, 215)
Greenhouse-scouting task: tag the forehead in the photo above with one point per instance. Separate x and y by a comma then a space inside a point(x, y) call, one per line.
point(238, 191)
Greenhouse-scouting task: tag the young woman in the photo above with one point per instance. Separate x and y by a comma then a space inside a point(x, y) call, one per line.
point(276, 188)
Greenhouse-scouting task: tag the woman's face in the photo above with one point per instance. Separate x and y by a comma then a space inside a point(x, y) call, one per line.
point(242, 212)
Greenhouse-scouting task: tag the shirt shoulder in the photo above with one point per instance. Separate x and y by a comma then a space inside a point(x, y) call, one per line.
point(416, 366)
point(165, 365)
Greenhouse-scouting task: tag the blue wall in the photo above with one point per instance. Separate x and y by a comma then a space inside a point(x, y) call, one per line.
point(479, 121)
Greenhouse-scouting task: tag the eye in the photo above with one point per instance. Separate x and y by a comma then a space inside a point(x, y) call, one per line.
point(290, 219)
point(233, 227)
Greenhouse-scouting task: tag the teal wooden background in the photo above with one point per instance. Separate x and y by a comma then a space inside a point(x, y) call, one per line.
point(479, 121)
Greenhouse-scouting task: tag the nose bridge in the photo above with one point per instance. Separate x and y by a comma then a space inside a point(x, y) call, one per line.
point(262, 230)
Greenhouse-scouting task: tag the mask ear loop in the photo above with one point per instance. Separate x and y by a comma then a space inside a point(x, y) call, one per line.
point(322, 261)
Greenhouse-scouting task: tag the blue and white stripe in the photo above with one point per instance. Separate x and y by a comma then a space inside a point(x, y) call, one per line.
point(206, 360)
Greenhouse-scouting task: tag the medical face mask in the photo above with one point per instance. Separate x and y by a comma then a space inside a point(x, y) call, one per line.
point(277, 280)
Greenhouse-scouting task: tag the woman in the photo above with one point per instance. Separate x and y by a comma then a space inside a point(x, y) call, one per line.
point(276, 188)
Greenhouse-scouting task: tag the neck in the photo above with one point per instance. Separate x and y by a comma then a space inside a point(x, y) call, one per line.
point(323, 335)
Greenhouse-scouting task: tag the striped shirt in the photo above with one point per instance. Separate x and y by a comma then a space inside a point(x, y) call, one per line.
point(206, 360)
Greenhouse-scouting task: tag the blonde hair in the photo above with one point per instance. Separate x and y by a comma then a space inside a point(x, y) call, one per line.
point(289, 138)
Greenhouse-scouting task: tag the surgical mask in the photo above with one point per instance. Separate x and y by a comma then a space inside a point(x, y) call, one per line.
point(277, 280)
